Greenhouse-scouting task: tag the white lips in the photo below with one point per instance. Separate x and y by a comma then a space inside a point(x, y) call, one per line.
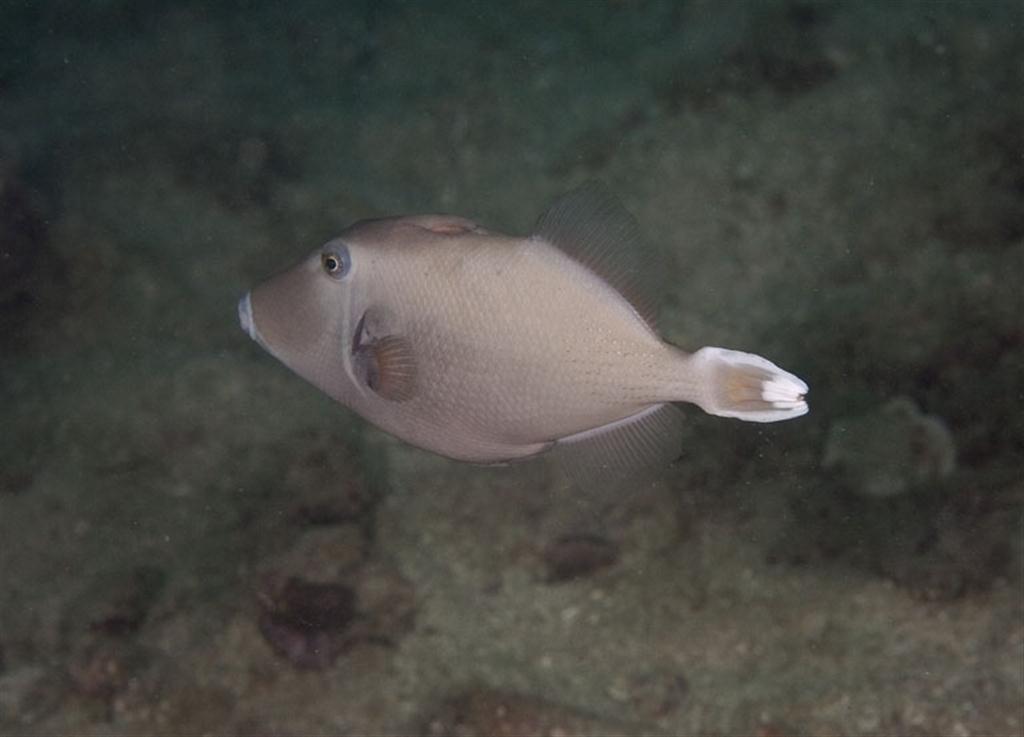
point(245, 316)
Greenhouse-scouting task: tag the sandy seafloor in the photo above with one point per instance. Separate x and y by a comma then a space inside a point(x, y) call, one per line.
point(194, 541)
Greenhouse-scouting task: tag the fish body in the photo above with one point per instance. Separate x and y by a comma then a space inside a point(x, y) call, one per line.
point(488, 348)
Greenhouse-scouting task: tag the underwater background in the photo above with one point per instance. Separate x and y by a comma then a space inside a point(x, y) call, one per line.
point(195, 541)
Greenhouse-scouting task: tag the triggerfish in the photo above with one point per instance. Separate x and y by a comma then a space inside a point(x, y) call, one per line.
point(489, 348)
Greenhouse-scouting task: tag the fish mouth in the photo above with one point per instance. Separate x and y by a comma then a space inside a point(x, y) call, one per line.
point(245, 316)
point(247, 322)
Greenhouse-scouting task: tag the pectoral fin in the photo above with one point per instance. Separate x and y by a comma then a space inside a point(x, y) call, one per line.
point(387, 366)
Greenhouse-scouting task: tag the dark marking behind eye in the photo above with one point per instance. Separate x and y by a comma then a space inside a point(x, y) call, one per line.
point(357, 336)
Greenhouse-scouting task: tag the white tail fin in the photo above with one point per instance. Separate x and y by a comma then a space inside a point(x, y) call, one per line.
point(747, 387)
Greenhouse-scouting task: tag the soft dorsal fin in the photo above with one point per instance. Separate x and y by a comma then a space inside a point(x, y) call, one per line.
point(591, 225)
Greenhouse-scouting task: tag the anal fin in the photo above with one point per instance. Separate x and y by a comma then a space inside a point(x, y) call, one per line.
point(620, 451)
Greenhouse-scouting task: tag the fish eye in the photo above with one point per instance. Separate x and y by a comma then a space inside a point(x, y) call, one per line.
point(335, 260)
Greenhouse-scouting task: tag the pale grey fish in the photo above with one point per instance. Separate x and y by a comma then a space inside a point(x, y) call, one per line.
point(489, 348)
